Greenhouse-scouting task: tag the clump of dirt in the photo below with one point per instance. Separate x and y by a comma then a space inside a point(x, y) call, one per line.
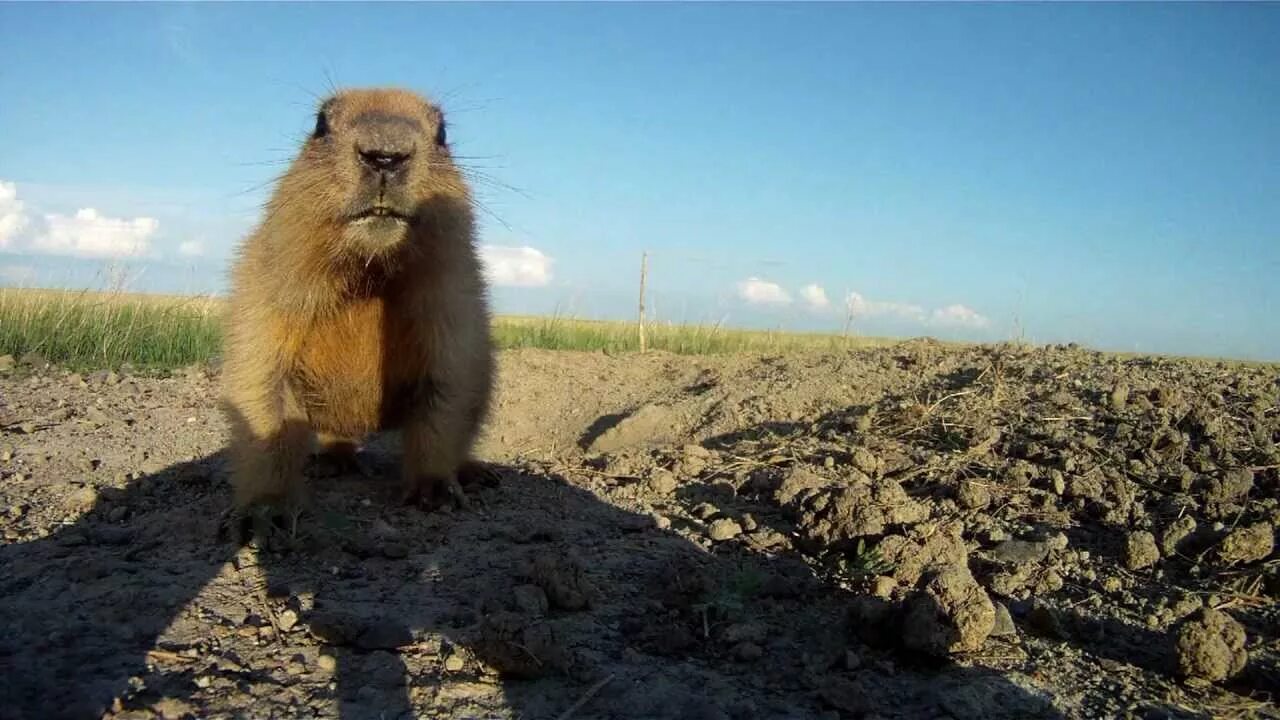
point(951, 614)
point(1211, 646)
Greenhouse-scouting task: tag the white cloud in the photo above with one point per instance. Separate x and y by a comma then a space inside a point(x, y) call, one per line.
point(959, 315)
point(191, 248)
point(88, 233)
point(762, 292)
point(13, 216)
point(515, 266)
point(858, 306)
point(91, 234)
point(815, 297)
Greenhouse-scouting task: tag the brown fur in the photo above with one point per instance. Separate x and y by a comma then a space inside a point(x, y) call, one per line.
point(339, 328)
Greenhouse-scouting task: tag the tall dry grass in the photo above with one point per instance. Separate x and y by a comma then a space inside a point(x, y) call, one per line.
point(111, 328)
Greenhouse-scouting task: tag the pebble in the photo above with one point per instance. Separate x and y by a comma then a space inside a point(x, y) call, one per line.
point(395, 550)
point(704, 511)
point(287, 619)
point(1004, 626)
point(662, 522)
point(1141, 550)
point(883, 586)
point(663, 482)
point(454, 663)
point(1020, 552)
point(1248, 544)
point(748, 651)
point(973, 495)
point(724, 529)
point(328, 663)
point(865, 460)
point(531, 599)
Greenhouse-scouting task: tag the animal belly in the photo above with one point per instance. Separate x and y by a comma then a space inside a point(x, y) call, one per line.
point(339, 374)
point(345, 406)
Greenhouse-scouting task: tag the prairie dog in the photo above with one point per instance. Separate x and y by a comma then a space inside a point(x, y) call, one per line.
point(358, 305)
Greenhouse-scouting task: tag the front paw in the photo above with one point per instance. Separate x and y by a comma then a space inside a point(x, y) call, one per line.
point(432, 492)
point(266, 525)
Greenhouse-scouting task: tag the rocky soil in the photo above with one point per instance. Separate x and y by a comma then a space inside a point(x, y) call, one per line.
point(907, 532)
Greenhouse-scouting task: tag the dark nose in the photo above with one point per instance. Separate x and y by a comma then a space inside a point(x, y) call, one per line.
point(383, 160)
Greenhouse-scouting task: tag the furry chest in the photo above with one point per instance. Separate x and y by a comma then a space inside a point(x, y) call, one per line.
point(357, 369)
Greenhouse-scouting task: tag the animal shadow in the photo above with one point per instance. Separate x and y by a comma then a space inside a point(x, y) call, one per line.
point(383, 611)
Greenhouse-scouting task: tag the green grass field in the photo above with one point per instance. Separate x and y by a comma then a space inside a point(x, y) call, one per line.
point(86, 329)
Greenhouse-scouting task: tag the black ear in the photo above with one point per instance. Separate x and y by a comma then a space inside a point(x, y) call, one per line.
point(441, 136)
point(322, 120)
point(322, 125)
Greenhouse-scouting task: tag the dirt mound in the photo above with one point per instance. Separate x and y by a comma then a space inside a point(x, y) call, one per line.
point(912, 531)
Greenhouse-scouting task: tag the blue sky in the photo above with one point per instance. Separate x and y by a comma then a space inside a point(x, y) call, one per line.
point(1101, 173)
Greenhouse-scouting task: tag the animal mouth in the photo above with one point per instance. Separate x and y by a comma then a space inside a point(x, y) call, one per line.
point(380, 212)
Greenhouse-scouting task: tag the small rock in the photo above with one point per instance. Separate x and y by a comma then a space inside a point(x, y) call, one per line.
point(1234, 486)
point(1174, 535)
point(287, 619)
point(1119, 396)
point(724, 529)
point(563, 580)
point(864, 460)
point(327, 662)
point(662, 522)
point(1059, 482)
point(695, 451)
point(6, 363)
point(1141, 550)
point(1248, 544)
point(973, 495)
point(883, 586)
point(1004, 626)
point(454, 663)
point(663, 482)
point(705, 511)
point(531, 599)
point(1210, 646)
point(395, 550)
point(852, 661)
point(1020, 552)
point(748, 652)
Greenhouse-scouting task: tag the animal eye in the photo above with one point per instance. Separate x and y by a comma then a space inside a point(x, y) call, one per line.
point(441, 136)
point(322, 125)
